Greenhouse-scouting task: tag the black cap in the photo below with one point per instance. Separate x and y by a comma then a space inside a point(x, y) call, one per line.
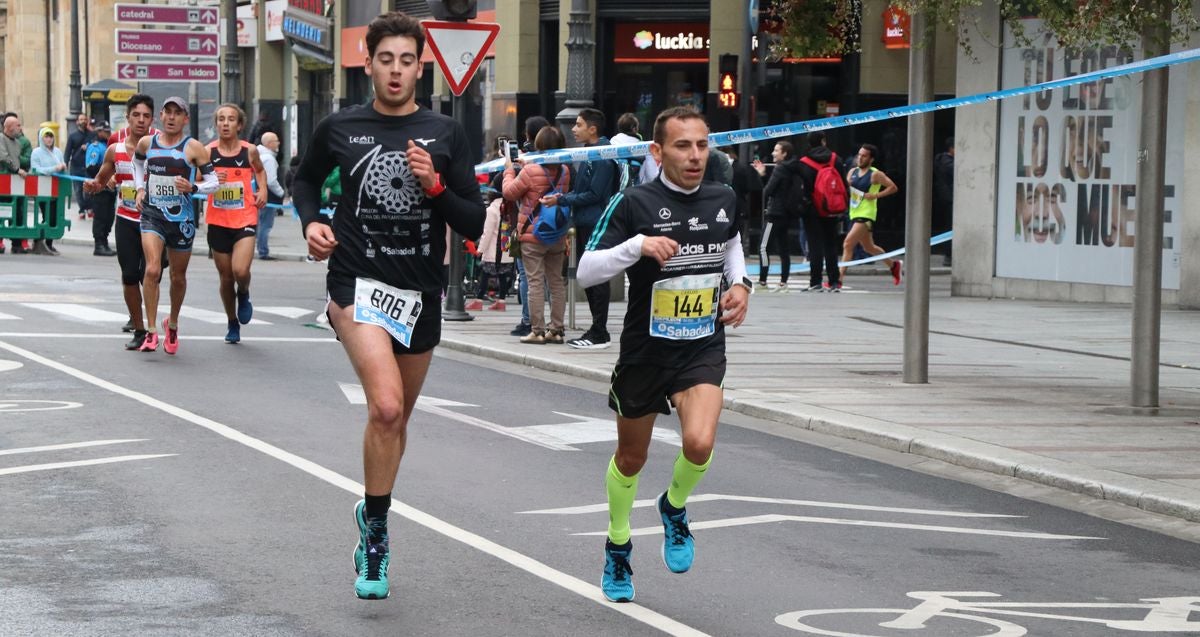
point(103, 125)
point(177, 101)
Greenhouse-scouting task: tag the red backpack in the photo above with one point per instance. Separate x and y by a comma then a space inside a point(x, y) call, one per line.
point(829, 190)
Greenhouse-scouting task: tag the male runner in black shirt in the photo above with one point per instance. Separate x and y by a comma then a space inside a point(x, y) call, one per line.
point(406, 173)
point(677, 239)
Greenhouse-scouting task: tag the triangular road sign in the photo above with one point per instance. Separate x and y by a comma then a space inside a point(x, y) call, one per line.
point(459, 48)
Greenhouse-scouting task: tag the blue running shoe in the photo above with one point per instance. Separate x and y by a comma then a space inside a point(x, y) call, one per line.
point(234, 335)
point(678, 547)
point(245, 309)
point(617, 582)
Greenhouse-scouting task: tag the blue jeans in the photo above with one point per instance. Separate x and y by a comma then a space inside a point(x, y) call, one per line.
point(523, 289)
point(266, 221)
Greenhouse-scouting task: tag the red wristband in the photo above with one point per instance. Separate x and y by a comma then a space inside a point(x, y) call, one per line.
point(437, 189)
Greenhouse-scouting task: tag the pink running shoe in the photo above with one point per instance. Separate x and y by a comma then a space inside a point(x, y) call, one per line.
point(150, 344)
point(895, 272)
point(170, 339)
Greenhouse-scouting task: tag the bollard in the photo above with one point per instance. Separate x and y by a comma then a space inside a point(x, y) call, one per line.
point(571, 279)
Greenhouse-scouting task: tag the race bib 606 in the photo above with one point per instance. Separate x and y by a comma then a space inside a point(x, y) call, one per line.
point(684, 308)
point(393, 309)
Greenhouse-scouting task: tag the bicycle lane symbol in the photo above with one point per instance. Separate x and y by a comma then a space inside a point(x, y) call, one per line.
point(940, 611)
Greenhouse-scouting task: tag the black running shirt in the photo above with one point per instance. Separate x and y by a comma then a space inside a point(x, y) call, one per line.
point(386, 228)
point(703, 223)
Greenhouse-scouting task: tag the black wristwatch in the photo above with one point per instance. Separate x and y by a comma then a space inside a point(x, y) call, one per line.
point(747, 283)
point(195, 189)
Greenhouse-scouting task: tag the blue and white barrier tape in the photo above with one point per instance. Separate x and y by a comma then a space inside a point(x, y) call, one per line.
point(198, 197)
point(747, 135)
point(805, 267)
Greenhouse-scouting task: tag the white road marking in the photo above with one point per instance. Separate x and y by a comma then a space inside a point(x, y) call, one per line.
point(80, 312)
point(69, 445)
point(206, 316)
point(189, 337)
point(8, 366)
point(15, 405)
point(79, 463)
point(283, 310)
point(588, 429)
point(568, 582)
point(8, 317)
point(439, 407)
point(771, 517)
point(712, 497)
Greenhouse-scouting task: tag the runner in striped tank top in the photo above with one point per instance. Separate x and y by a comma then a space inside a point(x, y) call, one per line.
point(117, 171)
point(164, 167)
point(232, 214)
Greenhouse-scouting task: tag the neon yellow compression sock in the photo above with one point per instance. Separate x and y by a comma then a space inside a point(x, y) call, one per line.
point(621, 492)
point(685, 478)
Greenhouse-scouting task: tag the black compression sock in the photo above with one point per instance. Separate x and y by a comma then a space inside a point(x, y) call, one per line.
point(377, 507)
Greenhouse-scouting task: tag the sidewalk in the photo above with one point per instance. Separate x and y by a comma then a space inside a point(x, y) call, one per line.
point(1034, 390)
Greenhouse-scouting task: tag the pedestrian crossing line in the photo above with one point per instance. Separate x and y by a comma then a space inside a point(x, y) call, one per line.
point(283, 310)
point(69, 445)
point(206, 316)
point(79, 463)
point(80, 312)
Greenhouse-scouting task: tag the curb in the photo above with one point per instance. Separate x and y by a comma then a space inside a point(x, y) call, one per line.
point(1148, 495)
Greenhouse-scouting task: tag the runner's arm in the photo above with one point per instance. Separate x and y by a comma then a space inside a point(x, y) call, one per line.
point(735, 260)
point(260, 177)
point(107, 168)
point(598, 266)
point(889, 186)
point(318, 162)
point(460, 204)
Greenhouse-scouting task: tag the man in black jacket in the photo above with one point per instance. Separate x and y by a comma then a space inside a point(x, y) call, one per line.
point(823, 234)
point(592, 185)
point(75, 154)
point(784, 195)
point(943, 195)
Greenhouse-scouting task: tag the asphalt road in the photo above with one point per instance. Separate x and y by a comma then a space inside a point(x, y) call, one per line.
point(211, 493)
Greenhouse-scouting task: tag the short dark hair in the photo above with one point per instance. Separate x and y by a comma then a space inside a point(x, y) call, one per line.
point(593, 117)
point(787, 147)
point(675, 112)
point(549, 138)
point(816, 138)
point(873, 149)
point(627, 123)
point(391, 24)
point(139, 98)
point(533, 125)
point(949, 143)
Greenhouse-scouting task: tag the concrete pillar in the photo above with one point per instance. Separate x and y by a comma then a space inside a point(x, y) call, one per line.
point(516, 63)
point(1187, 206)
point(976, 129)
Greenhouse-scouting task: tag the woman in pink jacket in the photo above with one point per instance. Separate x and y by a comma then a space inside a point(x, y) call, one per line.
point(543, 263)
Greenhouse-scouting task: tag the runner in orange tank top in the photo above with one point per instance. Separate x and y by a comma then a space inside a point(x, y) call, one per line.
point(232, 213)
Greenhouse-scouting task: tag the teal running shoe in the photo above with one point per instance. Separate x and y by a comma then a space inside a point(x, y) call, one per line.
point(245, 309)
point(371, 559)
point(234, 334)
point(617, 582)
point(678, 548)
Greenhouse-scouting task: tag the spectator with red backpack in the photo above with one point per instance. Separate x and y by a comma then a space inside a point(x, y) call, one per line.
point(823, 210)
point(542, 251)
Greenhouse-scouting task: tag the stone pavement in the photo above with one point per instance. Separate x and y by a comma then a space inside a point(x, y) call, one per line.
point(1029, 389)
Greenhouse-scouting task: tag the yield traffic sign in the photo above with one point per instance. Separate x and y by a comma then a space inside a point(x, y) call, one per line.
point(169, 72)
point(459, 48)
point(168, 43)
point(163, 14)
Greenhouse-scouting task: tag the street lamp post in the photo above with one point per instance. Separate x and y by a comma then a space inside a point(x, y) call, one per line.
point(76, 85)
point(580, 73)
point(233, 70)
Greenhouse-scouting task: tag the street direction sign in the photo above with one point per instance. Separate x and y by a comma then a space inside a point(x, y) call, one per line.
point(169, 71)
point(166, 15)
point(168, 43)
point(459, 48)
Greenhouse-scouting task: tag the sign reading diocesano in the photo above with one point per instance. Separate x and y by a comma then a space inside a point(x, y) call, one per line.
point(1065, 208)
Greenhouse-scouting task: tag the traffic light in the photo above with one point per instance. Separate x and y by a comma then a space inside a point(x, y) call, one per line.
point(454, 10)
point(727, 93)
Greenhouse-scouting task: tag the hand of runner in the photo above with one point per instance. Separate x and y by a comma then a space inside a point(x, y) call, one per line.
point(659, 248)
point(141, 199)
point(734, 304)
point(183, 185)
point(321, 240)
point(421, 165)
point(260, 199)
point(91, 187)
point(222, 177)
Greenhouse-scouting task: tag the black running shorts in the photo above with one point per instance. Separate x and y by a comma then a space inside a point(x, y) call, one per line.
point(222, 239)
point(638, 389)
point(427, 333)
point(176, 235)
point(870, 223)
